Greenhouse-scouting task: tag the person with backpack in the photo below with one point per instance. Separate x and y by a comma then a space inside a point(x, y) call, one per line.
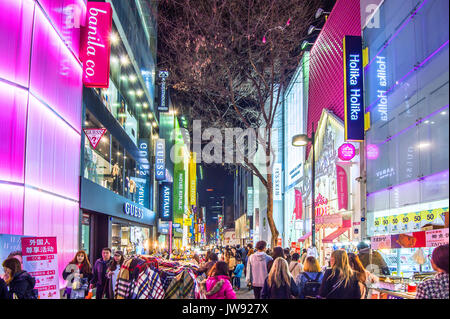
point(310, 279)
point(20, 283)
point(339, 282)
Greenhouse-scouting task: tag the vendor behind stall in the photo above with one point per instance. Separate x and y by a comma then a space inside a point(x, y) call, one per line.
point(376, 263)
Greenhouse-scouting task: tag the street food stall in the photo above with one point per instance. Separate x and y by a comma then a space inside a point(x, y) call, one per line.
point(407, 257)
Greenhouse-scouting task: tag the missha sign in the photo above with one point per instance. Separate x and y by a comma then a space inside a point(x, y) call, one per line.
point(95, 45)
point(353, 89)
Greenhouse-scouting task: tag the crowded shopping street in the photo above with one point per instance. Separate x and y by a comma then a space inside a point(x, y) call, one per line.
point(226, 157)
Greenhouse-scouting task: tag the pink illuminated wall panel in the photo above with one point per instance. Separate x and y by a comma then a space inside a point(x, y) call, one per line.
point(66, 16)
point(53, 152)
point(48, 215)
point(16, 18)
point(12, 132)
point(326, 73)
point(56, 75)
point(11, 209)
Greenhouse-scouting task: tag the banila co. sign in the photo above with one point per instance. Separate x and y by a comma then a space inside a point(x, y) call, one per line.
point(95, 44)
point(133, 210)
point(353, 89)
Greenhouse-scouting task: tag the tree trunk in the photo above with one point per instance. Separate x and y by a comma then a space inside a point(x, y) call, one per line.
point(273, 228)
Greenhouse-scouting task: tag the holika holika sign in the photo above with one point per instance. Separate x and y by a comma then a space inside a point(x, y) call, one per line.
point(353, 89)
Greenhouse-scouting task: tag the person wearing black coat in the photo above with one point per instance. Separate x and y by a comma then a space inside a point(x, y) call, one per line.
point(4, 293)
point(339, 282)
point(20, 283)
point(276, 284)
point(99, 279)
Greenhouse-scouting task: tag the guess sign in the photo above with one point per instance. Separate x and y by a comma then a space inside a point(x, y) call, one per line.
point(95, 45)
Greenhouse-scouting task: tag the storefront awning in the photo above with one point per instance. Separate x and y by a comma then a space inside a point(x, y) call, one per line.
point(335, 234)
point(304, 237)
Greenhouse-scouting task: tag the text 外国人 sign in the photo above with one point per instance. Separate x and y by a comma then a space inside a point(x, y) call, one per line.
point(353, 89)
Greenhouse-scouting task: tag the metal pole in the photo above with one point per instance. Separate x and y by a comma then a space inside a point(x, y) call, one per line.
point(313, 212)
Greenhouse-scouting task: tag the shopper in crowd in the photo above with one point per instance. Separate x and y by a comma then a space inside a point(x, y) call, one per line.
point(257, 268)
point(279, 284)
point(248, 252)
point(20, 283)
point(372, 259)
point(339, 282)
point(230, 259)
point(238, 252)
point(4, 293)
point(218, 284)
point(277, 252)
point(287, 255)
point(113, 273)
point(79, 267)
point(295, 268)
point(304, 255)
point(18, 255)
point(237, 274)
point(436, 287)
point(206, 267)
point(99, 279)
point(309, 281)
point(365, 277)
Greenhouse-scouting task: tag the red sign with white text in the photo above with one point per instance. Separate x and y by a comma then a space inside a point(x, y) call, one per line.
point(95, 45)
point(94, 135)
point(40, 260)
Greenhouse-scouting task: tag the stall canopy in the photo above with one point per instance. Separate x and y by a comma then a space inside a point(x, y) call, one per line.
point(335, 234)
point(304, 237)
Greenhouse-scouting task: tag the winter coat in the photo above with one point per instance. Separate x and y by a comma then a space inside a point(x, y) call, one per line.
point(257, 268)
point(22, 285)
point(219, 287)
point(350, 291)
point(4, 293)
point(238, 270)
point(99, 271)
point(295, 268)
point(301, 280)
point(282, 292)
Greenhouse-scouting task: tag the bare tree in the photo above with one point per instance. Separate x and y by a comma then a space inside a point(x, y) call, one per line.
point(227, 58)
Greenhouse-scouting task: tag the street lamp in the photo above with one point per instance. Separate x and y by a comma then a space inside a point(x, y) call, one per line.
point(304, 140)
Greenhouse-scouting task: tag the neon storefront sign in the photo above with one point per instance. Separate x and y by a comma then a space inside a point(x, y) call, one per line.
point(346, 152)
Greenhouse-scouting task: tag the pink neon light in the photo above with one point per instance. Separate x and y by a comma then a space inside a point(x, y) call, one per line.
point(342, 187)
point(53, 152)
point(11, 209)
point(346, 152)
point(372, 151)
point(48, 215)
point(12, 132)
point(55, 73)
point(16, 18)
point(95, 45)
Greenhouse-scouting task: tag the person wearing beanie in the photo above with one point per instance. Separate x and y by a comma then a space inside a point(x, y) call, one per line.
point(436, 287)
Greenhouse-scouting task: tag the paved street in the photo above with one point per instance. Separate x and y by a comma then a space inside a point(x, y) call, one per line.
point(244, 292)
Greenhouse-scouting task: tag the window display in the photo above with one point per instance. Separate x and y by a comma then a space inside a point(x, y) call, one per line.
point(130, 239)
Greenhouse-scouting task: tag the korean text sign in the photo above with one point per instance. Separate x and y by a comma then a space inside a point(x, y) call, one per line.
point(40, 259)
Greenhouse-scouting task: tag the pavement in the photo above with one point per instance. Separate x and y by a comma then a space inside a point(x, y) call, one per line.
point(244, 293)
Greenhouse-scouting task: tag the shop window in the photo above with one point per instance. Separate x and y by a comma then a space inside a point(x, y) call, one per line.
point(130, 239)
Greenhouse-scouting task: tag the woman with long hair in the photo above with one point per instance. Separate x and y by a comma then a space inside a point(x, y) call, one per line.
point(309, 280)
point(279, 283)
point(218, 285)
point(340, 282)
point(78, 267)
point(365, 277)
point(277, 252)
point(19, 282)
point(112, 273)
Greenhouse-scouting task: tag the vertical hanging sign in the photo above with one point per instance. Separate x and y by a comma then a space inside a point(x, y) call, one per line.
point(250, 206)
point(163, 100)
point(277, 181)
point(353, 89)
point(342, 187)
point(95, 45)
point(165, 201)
point(160, 160)
point(193, 179)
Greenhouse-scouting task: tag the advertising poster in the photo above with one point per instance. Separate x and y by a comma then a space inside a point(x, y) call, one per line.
point(40, 260)
point(178, 196)
point(8, 244)
point(381, 242)
point(437, 237)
